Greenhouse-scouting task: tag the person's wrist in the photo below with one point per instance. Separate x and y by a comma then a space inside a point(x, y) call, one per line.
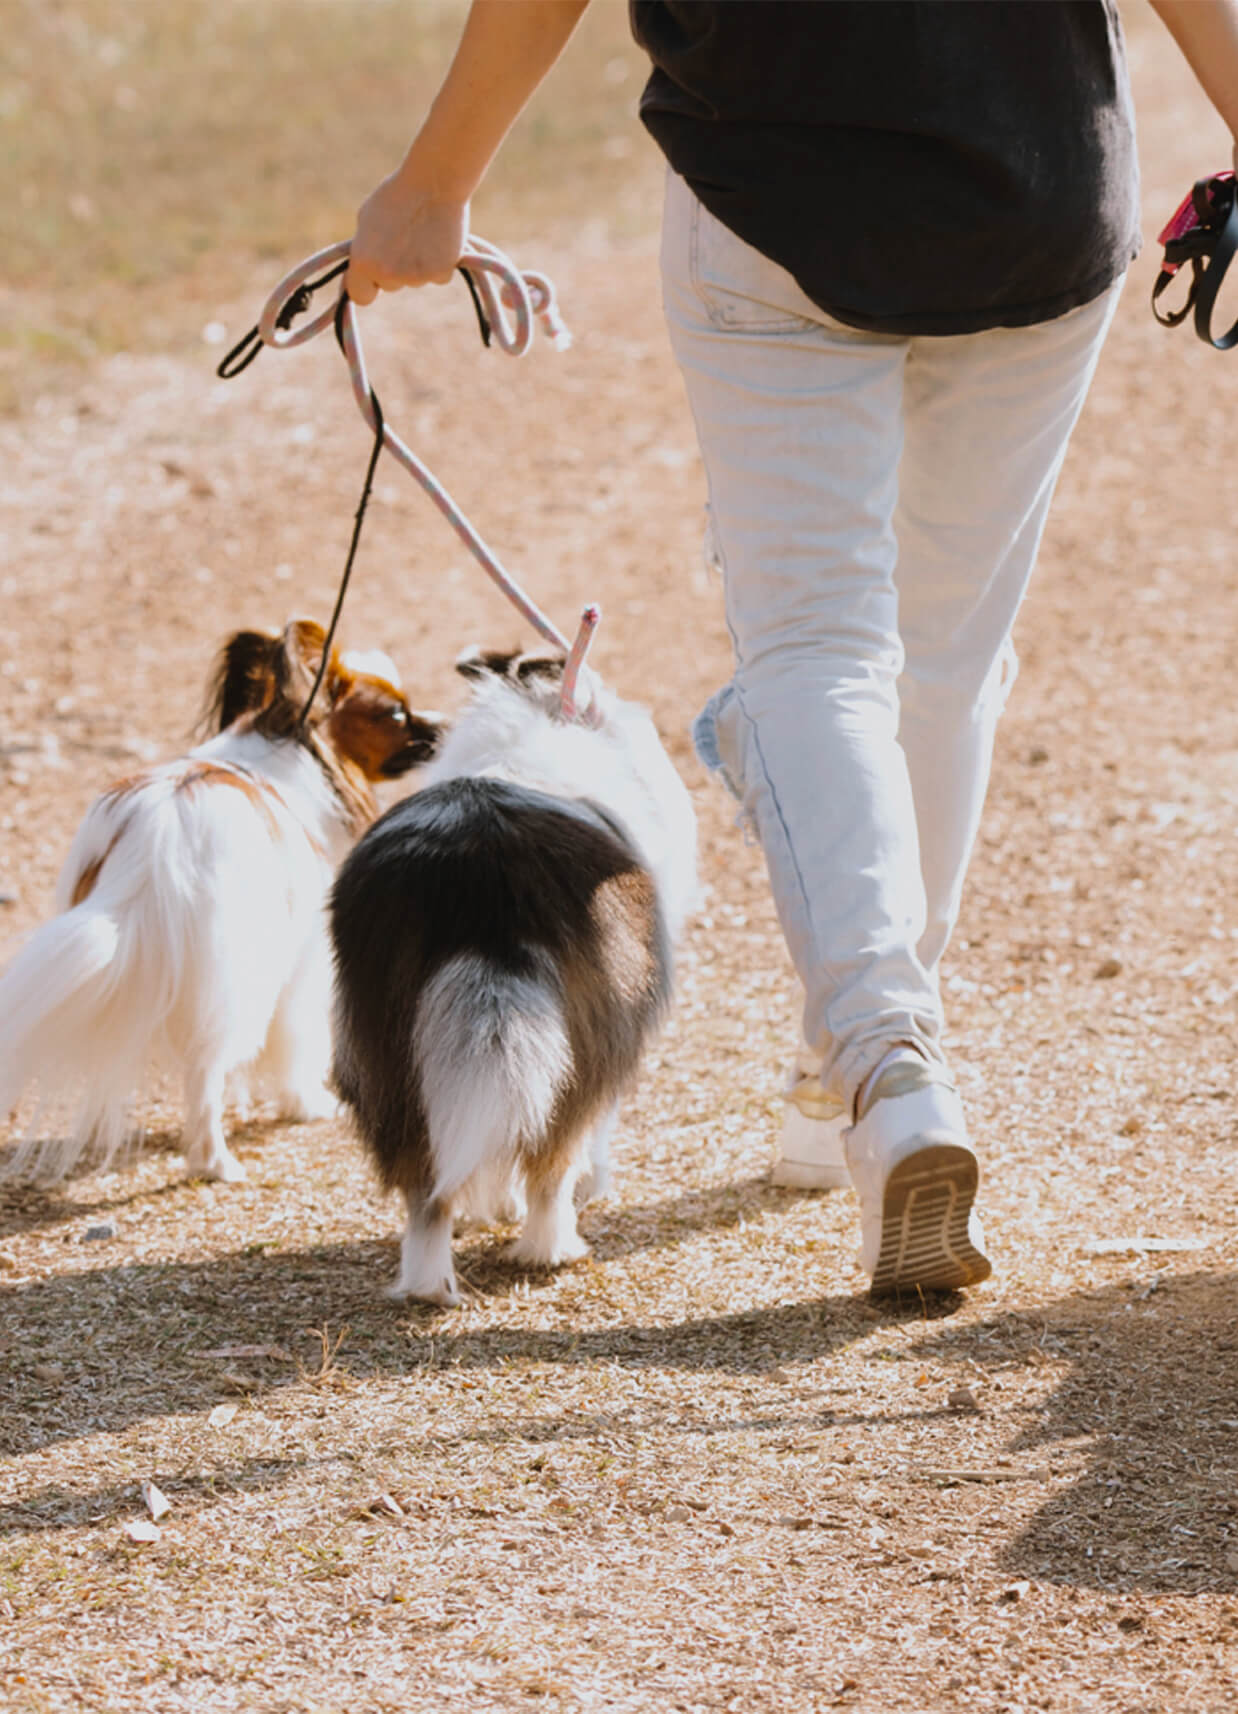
point(437, 178)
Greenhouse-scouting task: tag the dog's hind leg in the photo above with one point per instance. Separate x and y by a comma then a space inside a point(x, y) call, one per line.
point(426, 1267)
point(549, 1237)
point(207, 1154)
point(298, 1045)
point(594, 1181)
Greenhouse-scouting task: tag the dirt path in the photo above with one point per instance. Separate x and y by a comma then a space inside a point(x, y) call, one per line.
point(699, 1471)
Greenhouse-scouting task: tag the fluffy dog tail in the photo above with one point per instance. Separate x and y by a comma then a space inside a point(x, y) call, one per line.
point(492, 1049)
point(52, 998)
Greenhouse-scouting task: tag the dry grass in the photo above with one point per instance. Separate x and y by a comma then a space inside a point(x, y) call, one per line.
point(698, 1471)
point(157, 152)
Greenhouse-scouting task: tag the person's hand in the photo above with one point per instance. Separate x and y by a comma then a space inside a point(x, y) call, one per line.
point(405, 237)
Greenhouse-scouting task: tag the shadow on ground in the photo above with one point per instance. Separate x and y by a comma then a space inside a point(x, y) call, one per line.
point(1152, 1389)
point(30, 1205)
point(1148, 1393)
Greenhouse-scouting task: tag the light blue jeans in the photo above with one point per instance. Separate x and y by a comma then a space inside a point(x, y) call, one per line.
point(876, 503)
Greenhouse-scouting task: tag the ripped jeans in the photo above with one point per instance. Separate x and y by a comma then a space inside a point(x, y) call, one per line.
point(876, 503)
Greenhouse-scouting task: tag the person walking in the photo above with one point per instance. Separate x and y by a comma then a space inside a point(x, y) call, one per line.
point(893, 242)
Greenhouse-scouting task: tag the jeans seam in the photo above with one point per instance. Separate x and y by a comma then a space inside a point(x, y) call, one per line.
point(786, 321)
point(755, 735)
point(735, 649)
point(694, 258)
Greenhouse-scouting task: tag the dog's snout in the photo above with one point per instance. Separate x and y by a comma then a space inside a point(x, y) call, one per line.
point(423, 734)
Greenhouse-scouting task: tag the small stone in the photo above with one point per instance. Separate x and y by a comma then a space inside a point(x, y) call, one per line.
point(1107, 969)
point(222, 1415)
point(1015, 1591)
point(1036, 755)
point(99, 1234)
point(157, 1502)
point(1131, 1127)
point(962, 1398)
point(678, 1514)
point(6, 897)
point(51, 1374)
point(142, 1530)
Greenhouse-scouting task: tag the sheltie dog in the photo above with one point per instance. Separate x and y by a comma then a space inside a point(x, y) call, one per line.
point(503, 956)
point(192, 920)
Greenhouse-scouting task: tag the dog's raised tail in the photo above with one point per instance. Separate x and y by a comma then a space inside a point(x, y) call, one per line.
point(51, 996)
point(492, 1048)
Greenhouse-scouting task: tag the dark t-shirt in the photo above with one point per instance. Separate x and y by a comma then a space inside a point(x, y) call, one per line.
point(919, 166)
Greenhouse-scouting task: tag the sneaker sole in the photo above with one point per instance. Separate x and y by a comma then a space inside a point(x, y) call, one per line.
point(924, 1224)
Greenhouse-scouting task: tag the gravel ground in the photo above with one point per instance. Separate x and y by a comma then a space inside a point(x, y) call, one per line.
point(699, 1470)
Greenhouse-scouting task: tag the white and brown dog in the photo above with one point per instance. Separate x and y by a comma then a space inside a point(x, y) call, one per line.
point(503, 956)
point(191, 920)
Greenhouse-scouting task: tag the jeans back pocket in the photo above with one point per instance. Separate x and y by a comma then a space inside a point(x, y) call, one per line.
point(738, 286)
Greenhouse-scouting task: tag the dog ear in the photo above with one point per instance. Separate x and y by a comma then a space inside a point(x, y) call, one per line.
point(532, 669)
point(245, 678)
point(301, 650)
point(297, 662)
point(295, 655)
point(476, 662)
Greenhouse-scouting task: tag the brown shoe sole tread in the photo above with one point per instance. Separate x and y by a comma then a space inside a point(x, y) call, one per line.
point(924, 1240)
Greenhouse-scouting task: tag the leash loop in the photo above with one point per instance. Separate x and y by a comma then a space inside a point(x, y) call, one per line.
point(1203, 231)
point(508, 304)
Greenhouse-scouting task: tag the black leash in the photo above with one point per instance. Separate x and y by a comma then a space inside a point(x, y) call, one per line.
point(245, 350)
point(1203, 232)
point(366, 489)
point(243, 354)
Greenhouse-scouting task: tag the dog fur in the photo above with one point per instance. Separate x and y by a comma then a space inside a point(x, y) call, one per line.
point(191, 905)
point(503, 957)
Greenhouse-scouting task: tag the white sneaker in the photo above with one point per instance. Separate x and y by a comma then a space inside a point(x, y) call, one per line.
point(916, 1175)
point(811, 1155)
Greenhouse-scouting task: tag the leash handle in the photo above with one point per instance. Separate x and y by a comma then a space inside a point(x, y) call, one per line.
point(1203, 230)
point(509, 303)
point(529, 297)
point(1208, 283)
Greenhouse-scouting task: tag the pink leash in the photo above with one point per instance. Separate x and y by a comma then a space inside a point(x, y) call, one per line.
point(511, 306)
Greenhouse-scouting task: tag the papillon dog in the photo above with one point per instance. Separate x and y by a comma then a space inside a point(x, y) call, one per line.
point(192, 920)
point(503, 957)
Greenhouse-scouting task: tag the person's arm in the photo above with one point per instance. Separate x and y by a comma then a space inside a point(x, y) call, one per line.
point(1207, 33)
point(412, 227)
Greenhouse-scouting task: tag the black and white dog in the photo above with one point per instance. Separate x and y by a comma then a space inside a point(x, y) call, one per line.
point(503, 956)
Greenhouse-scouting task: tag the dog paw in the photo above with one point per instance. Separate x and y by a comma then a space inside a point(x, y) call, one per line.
point(530, 1253)
point(303, 1106)
point(593, 1185)
point(445, 1293)
point(221, 1166)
